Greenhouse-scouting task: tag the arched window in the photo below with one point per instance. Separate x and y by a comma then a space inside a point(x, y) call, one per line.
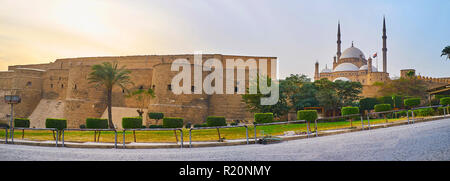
point(28, 83)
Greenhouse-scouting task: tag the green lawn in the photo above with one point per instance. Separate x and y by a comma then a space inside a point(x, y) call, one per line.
point(197, 135)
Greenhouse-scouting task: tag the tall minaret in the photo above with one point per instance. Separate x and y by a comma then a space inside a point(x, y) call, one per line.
point(384, 46)
point(316, 71)
point(338, 53)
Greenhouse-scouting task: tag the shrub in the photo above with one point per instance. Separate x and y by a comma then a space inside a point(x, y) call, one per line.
point(56, 123)
point(22, 122)
point(401, 113)
point(441, 109)
point(385, 100)
point(132, 122)
point(263, 118)
point(155, 126)
point(367, 103)
point(382, 107)
point(213, 121)
point(82, 126)
point(156, 115)
point(349, 110)
point(425, 112)
point(4, 125)
point(188, 125)
point(308, 115)
point(96, 123)
point(172, 122)
point(445, 101)
point(412, 102)
point(398, 101)
point(200, 125)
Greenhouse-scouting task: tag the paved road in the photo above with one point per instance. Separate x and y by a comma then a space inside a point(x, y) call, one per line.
point(421, 141)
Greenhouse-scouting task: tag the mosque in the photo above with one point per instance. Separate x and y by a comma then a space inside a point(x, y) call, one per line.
point(352, 65)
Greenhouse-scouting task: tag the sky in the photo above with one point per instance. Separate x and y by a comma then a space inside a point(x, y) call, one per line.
point(298, 32)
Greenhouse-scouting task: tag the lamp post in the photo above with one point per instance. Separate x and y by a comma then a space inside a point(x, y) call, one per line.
point(12, 99)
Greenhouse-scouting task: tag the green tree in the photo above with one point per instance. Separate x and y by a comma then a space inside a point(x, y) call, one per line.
point(142, 96)
point(253, 101)
point(108, 75)
point(446, 52)
point(348, 91)
point(327, 96)
point(299, 91)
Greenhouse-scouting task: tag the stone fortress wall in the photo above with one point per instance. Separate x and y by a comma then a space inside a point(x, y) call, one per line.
point(61, 90)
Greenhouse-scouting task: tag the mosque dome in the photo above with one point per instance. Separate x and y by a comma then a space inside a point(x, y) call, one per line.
point(352, 52)
point(346, 67)
point(341, 78)
point(364, 67)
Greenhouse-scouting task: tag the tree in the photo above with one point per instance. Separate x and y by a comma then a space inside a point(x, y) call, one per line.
point(348, 91)
point(327, 95)
point(108, 75)
point(253, 101)
point(142, 97)
point(446, 52)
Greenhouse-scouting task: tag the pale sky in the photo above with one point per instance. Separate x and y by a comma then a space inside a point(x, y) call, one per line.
point(297, 32)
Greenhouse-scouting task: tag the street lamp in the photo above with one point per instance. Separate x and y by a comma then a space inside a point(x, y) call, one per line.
point(12, 99)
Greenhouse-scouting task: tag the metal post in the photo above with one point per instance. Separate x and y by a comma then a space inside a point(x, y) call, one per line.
point(57, 138)
point(6, 135)
point(63, 138)
point(407, 115)
point(12, 135)
point(123, 139)
point(368, 121)
point(115, 138)
point(11, 123)
point(317, 132)
point(255, 134)
point(190, 138)
point(362, 122)
point(181, 135)
point(307, 130)
point(413, 120)
point(246, 133)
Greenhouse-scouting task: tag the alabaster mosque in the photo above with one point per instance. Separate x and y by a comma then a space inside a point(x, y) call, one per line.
point(61, 89)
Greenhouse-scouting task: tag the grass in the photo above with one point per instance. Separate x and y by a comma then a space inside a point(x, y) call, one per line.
point(197, 135)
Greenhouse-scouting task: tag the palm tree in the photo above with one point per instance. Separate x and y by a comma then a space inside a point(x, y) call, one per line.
point(108, 75)
point(446, 52)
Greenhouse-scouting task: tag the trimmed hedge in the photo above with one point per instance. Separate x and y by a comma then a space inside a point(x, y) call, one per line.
point(56, 123)
point(22, 122)
point(425, 112)
point(308, 115)
point(382, 107)
point(445, 101)
point(172, 122)
point(263, 118)
point(412, 102)
point(441, 109)
point(385, 100)
point(349, 110)
point(4, 125)
point(213, 121)
point(156, 115)
point(367, 103)
point(96, 123)
point(132, 122)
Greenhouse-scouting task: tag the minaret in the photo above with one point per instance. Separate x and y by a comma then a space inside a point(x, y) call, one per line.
point(338, 53)
point(369, 65)
point(384, 46)
point(316, 71)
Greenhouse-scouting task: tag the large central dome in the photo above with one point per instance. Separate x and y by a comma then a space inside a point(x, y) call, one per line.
point(352, 52)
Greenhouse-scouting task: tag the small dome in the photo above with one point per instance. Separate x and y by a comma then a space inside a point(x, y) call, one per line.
point(364, 67)
point(341, 78)
point(352, 52)
point(346, 67)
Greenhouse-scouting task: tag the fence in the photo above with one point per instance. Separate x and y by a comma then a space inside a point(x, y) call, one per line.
point(217, 127)
point(6, 134)
point(115, 133)
point(154, 129)
point(51, 129)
